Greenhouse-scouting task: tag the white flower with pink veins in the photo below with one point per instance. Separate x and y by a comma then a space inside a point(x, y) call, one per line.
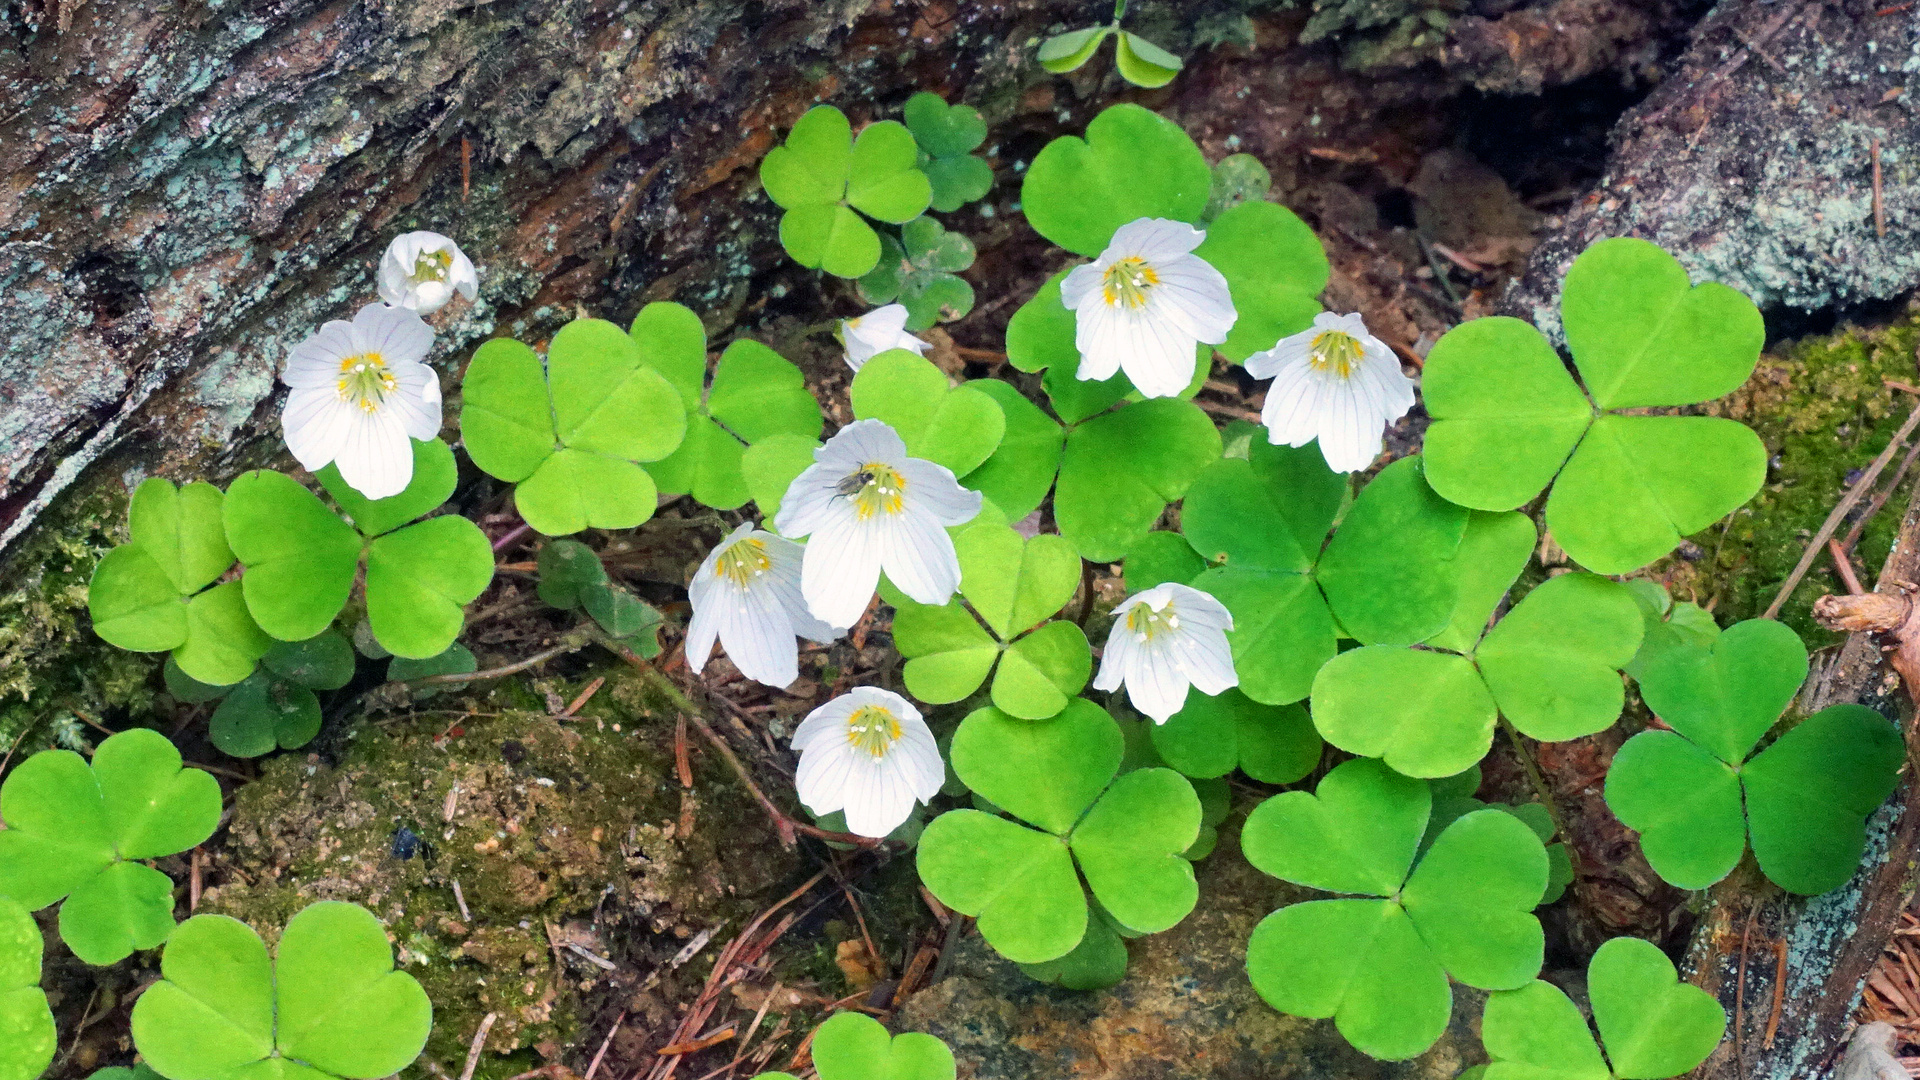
point(1145, 304)
point(359, 393)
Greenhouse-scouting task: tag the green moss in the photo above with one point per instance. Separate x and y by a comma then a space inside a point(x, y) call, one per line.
point(567, 829)
point(1824, 412)
point(50, 662)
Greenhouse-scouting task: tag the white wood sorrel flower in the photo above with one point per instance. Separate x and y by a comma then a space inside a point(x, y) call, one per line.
point(869, 753)
point(422, 270)
point(1334, 382)
point(869, 507)
point(1143, 305)
point(747, 594)
point(877, 331)
point(1165, 639)
point(359, 393)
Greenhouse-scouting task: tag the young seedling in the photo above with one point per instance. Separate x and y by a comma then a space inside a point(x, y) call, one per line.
point(947, 135)
point(75, 832)
point(572, 577)
point(327, 1003)
point(1138, 60)
point(921, 270)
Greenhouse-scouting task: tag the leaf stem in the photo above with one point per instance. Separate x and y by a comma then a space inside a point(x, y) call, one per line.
point(1538, 779)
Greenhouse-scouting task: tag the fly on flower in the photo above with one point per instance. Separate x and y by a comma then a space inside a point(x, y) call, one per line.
point(1334, 382)
point(869, 753)
point(747, 595)
point(869, 507)
point(1164, 640)
point(422, 270)
point(359, 393)
point(877, 331)
point(1144, 305)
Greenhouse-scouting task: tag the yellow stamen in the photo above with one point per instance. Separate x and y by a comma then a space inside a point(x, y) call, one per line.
point(1145, 622)
point(1336, 350)
point(743, 560)
point(875, 488)
point(365, 376)
point(873, 729)
point(1127, 282)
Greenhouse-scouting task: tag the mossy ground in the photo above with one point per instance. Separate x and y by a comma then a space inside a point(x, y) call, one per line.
point(1824, 411)
point(556, 831)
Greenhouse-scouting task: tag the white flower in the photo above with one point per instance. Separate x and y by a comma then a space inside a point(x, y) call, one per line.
point(877, 331)
point(747, 594)
point(1145, 303)
point(869, 507)
point(359, 393)
point(1337, 383)
point(422, 271)
point(867, 752)
point(1165, 639)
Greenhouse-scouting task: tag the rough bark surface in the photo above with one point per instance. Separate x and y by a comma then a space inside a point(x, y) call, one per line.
point(1755, 160)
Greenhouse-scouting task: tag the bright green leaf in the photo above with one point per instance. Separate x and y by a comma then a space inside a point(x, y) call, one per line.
point(434, 477)
point(958, 427)
point(1121, 469)
point(1723, 697)
point(300, 558)
point(1132, 164)
point(1425, 713)
point(1020, 472)
point(1389, 571)
point(1553, 661)
point(420, 578)
point(1505, 413)
point(1275, 268)
point(1809, 794)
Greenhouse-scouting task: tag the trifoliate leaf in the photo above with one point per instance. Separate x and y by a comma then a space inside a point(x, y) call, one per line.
point(1132, 164)
point(955, 426)
point(263, 714)
point(419, 580)
point(71, 825)
point(328, 998)
point(1120, 469)
point(27, 1034)
point(300, 558)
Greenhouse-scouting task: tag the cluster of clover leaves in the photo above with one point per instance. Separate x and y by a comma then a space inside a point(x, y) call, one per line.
point(1374, 617)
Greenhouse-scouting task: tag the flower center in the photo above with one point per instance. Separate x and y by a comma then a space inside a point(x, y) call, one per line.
point(1146, 622)
point(873, 729)
point(1336, 351)
point(1127, 282)
point(743, 560)
point(431, 266)
point(366, 377)
point(875, 488)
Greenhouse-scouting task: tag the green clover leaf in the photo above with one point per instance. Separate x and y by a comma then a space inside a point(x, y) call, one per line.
point(1654, 1026)
point(955, 426)
point(1698, 794)
point(1261, 522)
point(1132, 164)
point(1668, 625)
point(27, 1034)
point(1211, 736)
point(755, 394)
point(1275, 269)
point(1379, 967)
point(1551, 667)
point(302, 559)
point(770, 465)
point(920, 270)
point(1012, 585)
point(1508, 418)
point(571, 576)
point(822, 174)
point(74, 832)
point(572, 437)
point(1126, 835)
point(328, 1003)
point(947, 135)
point(151, 593)
point(277, 707)
point(1099, 961)
point(1120, 469)
point(852, 1046)
point(1453, 799)
point(1018, 474)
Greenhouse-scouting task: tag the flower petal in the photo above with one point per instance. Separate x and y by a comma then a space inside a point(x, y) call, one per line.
point(931, 488)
